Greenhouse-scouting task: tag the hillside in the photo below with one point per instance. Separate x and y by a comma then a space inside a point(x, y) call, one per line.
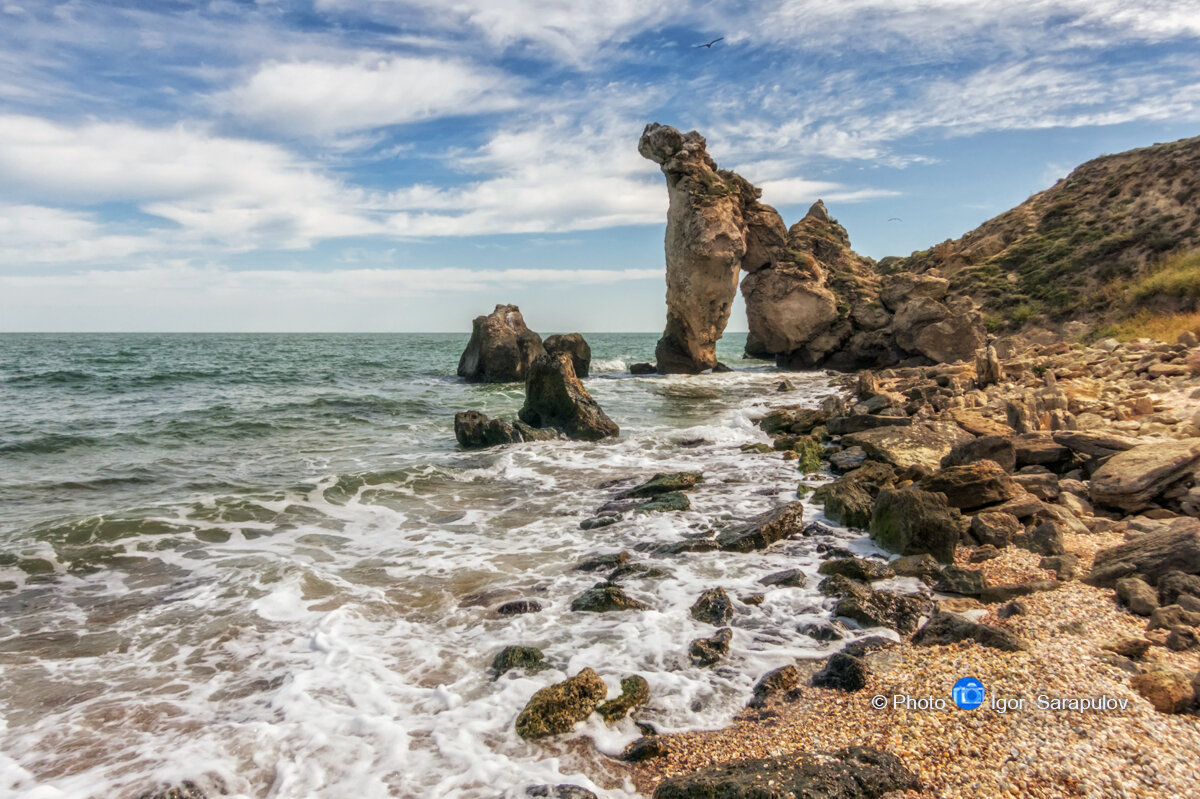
point(1095, 247)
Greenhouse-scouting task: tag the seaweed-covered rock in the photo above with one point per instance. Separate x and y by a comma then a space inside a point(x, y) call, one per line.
point(663, 483)
point(635, 691)
point(663, 503)
point(856, 568)
point(559, 707)
point(713, 607)
point(850, 499)
point(604, 599)
point(853, 773)
point(910, 521)
point(529, 658)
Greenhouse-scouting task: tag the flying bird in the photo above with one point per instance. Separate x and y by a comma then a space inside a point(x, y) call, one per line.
point(895, 219)
point(710, 44)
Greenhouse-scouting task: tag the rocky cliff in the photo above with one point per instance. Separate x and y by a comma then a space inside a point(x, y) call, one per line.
point(1076, 250)
point(810, 299)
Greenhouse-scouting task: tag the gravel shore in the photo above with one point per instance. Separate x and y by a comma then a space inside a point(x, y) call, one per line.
point(1134, 752)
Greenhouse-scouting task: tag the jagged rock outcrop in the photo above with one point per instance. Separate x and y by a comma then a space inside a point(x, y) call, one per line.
point(810, 299)
point(555, 397)
point(501, 348)
point(715, 227)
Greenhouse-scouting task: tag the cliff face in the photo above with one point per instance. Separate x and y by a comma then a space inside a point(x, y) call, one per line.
point(715, 226)
point(1065, 252)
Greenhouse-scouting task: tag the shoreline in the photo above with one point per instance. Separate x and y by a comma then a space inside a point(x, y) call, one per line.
point(1030, 750)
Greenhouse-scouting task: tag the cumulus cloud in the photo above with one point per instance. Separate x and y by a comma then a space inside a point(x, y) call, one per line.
point(321, 98)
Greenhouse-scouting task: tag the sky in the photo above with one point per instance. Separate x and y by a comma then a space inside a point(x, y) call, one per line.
point(405, 165)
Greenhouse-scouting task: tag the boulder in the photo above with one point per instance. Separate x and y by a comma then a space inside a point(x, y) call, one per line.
point(707, 651)
point(555, 397)
point(474, 430)
point(501, 348)
point(635, 691)
point(854, 773)
point(1169, 690)
point(558, 708)
point(1132, 479)
point(764, 530)
point(1039, 449)
point(574, 345)
point(942, 332)
point(900, 288)
point(713, 607)
point(1043, 486)
point(923, 444)
point(1149, 556)
point(1172, 616)
point(1045, 539)
point(798, 420)
point(663, 483)
point(1094, 444)
point(947, 628)
point(998, 449)
point(995, 528)
point(1065, 567)
point(973, 485)
point(645, 748)
point(1174, 584)
point(924, 567)
point(957, 580)
point(788, 578)
point(671, 501)
point(842, 672)
point(850, 499)
point(910, 521)
point(1137, 595)
point(847, 460)
point(774, 683)
point(518, 607)
point(856, 568)
point(517, 657)
point(604, 599)
point(870, 608)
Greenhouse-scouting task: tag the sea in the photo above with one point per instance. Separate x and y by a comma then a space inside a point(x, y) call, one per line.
point(262, 564)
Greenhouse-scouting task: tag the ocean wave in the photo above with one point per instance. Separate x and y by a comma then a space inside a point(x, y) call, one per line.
point(47, 444)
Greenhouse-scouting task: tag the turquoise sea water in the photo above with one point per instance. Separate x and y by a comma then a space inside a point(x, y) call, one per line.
point(260, 562)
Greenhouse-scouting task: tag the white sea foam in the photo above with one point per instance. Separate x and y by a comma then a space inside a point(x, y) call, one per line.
point(339, 645)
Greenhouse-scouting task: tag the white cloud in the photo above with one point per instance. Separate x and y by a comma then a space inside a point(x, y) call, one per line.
point(321, 98)
point(223, 192)
point(37, 234)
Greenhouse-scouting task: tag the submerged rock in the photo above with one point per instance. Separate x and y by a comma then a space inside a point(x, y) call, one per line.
point(564, 791)
point(554, 397)
point(853, 773)
point(501, 348)
point(184, 790)
point(558, 708)
point(672, 501)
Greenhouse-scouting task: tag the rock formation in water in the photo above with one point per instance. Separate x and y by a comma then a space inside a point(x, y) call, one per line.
point(715, 226)
point(501, 348)
point(555, 398)
point(810, 299)
point(575, 345)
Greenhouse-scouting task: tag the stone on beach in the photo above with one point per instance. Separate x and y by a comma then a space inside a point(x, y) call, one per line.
point(557, 708)
point(910, 521)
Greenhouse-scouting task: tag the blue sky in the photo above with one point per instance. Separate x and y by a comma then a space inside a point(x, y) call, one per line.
point(407, 164)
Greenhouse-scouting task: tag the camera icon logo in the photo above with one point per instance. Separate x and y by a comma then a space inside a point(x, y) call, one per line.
point(967, 693)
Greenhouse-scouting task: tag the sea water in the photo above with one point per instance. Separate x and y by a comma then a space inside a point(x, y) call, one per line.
point(261, 563)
